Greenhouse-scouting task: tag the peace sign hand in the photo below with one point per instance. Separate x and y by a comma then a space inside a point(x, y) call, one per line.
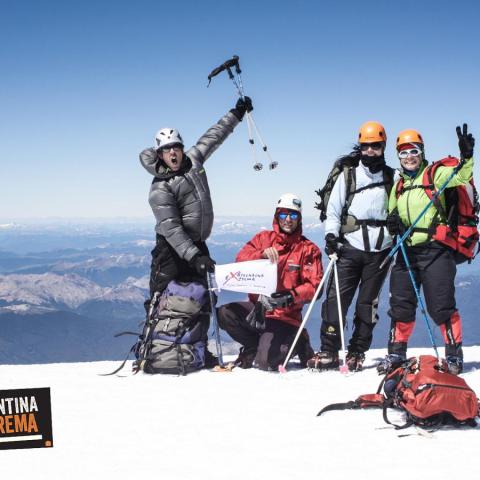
point(466, 142)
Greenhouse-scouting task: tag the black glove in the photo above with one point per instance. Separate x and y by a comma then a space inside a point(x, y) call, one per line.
point(282, 299)
point(332, 244)
point(395, 225)
point(203, 264)
point(243, 105)
point(466, 142)
point(256, 318)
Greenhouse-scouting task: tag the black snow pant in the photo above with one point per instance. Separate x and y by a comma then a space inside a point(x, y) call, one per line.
point(272, 344)
point(167, 265)
point(356, 268)
point(434, 269)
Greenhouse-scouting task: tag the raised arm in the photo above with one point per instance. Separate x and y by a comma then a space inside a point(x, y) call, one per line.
point(217, 134)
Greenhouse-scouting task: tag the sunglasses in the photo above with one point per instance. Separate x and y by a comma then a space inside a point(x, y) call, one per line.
point(293, 215)
point(410, 151)
point(176, 148)
point(375, 146)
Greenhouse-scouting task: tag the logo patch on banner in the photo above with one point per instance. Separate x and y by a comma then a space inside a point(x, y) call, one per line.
point(253, 276)
point(25, 418)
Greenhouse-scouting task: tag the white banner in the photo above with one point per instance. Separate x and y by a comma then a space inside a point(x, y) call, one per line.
point(255, 276)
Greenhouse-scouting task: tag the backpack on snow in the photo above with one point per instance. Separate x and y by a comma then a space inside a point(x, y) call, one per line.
point(460, 212)
point(425, 391)
point(174, 333)
point(347, 166)
point(173, 338)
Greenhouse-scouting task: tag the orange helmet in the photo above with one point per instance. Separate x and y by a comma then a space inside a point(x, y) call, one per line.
point(409, 136)
point(372, 132)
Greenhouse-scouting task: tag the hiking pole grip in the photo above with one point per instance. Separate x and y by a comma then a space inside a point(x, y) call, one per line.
point(333, 259)
point(232, 62)
point(407, 233)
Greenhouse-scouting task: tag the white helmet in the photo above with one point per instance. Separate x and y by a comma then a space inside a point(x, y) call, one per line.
point(167, 136)
point(290, 201)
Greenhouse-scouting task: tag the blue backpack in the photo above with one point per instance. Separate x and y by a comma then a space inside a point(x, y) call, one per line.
point(174, 335)
point(175, 332)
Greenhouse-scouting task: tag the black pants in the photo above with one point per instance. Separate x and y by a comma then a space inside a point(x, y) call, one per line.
point(356, 268)
point(434, 269)
point(272, 344)
point(167, 265)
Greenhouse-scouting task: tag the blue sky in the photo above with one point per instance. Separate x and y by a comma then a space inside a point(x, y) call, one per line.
point(85, 86)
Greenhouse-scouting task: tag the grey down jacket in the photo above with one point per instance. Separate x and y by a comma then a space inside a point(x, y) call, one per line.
point(181, 200)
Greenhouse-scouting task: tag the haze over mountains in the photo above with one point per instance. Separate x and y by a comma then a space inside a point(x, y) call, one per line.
point(67, 288)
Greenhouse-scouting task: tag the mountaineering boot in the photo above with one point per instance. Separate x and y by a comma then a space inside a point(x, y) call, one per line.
point(355, 361)
point(245, 357)
point(323, 361)
point(454, 357)
point(455, 364)
point(211, 361)
point(390, 363)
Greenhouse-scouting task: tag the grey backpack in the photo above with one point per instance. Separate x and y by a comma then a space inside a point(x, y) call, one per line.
point(174, 337)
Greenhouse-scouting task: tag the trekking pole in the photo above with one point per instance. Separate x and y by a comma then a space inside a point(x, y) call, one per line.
point(282, 368)
point(419, 297)
point(272, 165)
point(422, 213)
point(343, 367)
point(257, 166)
point(236, 78)
point(214, 319)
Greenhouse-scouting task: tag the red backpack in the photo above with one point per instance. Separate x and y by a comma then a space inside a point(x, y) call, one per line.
point(461, 211)
point(425, 392)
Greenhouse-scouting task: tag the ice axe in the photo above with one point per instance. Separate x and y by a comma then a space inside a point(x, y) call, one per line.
point(230, 66)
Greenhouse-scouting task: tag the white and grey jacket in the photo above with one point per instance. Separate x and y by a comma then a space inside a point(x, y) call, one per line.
point(181, 200)
point(367, 204)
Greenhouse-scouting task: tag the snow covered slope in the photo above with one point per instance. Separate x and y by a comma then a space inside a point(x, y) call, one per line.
point(244, 425)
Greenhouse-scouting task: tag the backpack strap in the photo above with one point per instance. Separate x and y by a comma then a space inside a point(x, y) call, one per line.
point(388, 178)
point(371, 185)
point(350, 177)
point(399, 187)
point(390, 404)
point(430, 189)
point(132, 349)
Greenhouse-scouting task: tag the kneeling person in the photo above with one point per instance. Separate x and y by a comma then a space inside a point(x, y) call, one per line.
point(266, 326)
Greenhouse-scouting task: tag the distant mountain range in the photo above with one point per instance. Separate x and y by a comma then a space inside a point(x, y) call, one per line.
point(66, 289)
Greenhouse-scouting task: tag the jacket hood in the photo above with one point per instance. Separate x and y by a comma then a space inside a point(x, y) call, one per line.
point(155, 166)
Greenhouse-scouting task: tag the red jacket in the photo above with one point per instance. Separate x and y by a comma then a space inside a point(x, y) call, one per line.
point(299, 268)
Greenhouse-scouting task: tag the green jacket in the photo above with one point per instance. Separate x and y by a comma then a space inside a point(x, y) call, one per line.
point(412, 202)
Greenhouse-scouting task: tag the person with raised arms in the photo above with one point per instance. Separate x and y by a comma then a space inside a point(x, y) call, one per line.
point(180, 200)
